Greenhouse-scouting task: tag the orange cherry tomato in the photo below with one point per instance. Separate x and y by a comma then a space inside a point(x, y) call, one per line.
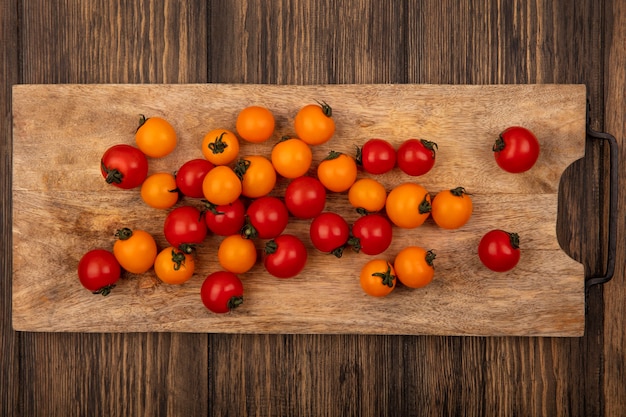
point(237, 254)
point(155, 137)
point(408, 205)
point(173, 266)
point(220, 146)
point(337, 172)
point(255, 124)
point(451, 209)
point(414, 266)
point(378, 278)
point(221, 185)
point(314, 123)
point(367, 195)
point(291, 157)
point(258, 176)
point(135, 250)
point(159, 190)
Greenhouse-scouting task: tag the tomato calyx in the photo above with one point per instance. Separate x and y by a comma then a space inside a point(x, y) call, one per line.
point(431, 146)
point(234, 302)
point(458, 191)
point(178, 258)
point(187, 248)
point(332, 155)
point(114, 176)
point(124, 234)
point(104, 291)
point(218, 145)
point(387, 277)
point(430, 257)
point(271, 247)
point(326, 109)
point(499, 144)
point(514, 239)
point(248, 231)
point(425, 206)
point(142, 120)
point(241, 167)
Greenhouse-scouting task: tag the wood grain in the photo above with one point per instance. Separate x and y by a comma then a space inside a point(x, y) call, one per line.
point(543, 296)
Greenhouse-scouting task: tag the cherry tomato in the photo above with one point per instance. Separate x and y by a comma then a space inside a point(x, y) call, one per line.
point(414, 266)
point(159, 190)
point(255, 124)
point(258, 176)
point(499, 250)
point(185, 227)
point(99, 271)
point(451, 209)
point(135, 250)
point(378, 278)
point(516, 150)
point(305, 197)
point(221, 185)
point(267, 217)
point(291, 157)
point(221, 292)
point(372, 234)
point(285, 256)
point(220, 146)
point(173, 266)
point(338, 171)
point(314, 123)
point(237, 254)
point(190, 175)
point(155, 137)
point(367, 195)
point(124, 166)
point(329, 233)
point(225, 219)
point(416, 156)
point(376, 156)
point(408, 205)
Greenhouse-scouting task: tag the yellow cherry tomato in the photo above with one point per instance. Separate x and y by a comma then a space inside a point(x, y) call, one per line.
point(173, 266)
point(378, 278)
point(220, 146)
point(135, 250)
point(258, 176)
point(414, 266)
point(221, 185)
point(451, 209)
point(155, 137)
point(291, 157)
point(314, 123)
point(237, 254)
point(367, 194)
point(159, 190)
point(255, 124)
point(408, 205)
point(337, 172)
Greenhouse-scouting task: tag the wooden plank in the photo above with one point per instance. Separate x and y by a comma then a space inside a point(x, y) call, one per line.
point(540, 297)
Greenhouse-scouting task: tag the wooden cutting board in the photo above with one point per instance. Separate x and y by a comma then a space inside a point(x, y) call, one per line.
point(62, 208)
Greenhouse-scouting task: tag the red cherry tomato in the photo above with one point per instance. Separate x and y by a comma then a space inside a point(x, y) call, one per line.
point(267, 217)
point(98, 271)
point(190, 175)
point(516, 150)
point(416, 156)
point(372, 234)
point(329, 233)
point(184, 227)
point(499, 250)
point(225, 219)
point(124, 166)
point(285, 256)
point(305, 197)
point(377, 156)
point(221, 292)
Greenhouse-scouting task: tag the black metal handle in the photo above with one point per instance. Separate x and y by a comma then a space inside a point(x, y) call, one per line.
point(613, 187)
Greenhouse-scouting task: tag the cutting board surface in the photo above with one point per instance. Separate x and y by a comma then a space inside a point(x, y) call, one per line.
point(62, 207)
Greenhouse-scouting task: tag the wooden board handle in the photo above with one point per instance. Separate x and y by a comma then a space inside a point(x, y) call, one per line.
point(613, 187)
